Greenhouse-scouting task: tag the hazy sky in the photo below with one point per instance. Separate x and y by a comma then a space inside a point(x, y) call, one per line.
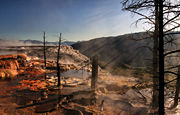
point(76, 19)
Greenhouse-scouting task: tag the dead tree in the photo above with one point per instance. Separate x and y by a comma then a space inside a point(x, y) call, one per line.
point(163, 10)
point(155, 96)
point(136, 6)
point(161, 60)
point(94, 72)
point(58, 65)
point(44, 49)
point(176, 97)
point(94, 78)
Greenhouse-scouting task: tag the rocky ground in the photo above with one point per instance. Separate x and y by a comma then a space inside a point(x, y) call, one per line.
point(26, 87)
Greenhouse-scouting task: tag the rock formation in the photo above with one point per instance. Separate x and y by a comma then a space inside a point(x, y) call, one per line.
point(10, 64)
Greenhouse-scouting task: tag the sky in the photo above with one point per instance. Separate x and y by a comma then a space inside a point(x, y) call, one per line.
point(77, 20)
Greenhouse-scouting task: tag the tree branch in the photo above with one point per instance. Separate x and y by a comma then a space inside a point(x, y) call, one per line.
point(171, 52)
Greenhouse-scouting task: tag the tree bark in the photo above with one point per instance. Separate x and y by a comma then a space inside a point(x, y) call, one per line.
point(176, 97)
point(44, 38)
point(94, 72)
point(155, 97)
point(94, 78)
point(161, 60)
point(58, 65)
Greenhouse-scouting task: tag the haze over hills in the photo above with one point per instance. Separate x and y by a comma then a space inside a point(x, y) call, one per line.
point(119, 51)
point(40, 42)
point(30, 42)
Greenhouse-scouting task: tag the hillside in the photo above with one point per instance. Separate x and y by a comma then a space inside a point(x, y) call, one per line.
point(120, 51)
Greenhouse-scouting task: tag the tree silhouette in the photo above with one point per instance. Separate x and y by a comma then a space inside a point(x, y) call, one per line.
point(44, 48)
point(163, 16)
point(57, 63)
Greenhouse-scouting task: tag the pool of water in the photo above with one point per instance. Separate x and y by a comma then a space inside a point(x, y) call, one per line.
point(76, 74)
point(70, 78)
point(81, 74)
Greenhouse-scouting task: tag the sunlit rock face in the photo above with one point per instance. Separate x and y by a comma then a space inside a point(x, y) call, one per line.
point(10, 64)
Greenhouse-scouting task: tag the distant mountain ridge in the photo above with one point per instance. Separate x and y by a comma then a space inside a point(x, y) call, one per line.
point(30, 42)
point(53, 43)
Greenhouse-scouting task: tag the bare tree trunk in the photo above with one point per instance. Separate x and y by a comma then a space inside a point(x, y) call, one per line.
point(94, 72)
point(94, 78)
point(58, 65)
point(161, 60)
point(155, 97)
point(177, 90)
point(44, 38)
point(44, 49)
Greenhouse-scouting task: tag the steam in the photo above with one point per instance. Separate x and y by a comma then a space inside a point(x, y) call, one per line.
point(4, 43)
point(10, 43)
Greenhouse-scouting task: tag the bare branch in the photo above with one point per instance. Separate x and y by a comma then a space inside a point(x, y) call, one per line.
point(150, 19)
point(171, 19)
point(171, 52)
point(172, 28)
